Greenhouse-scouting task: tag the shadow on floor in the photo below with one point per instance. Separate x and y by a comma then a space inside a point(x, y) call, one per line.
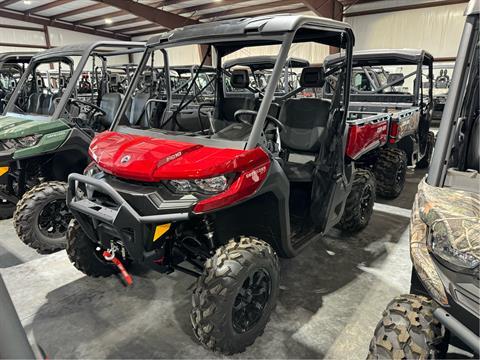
point(100, 318)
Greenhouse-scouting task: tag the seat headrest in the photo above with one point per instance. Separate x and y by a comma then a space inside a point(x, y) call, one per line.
point(312, 77)
point(240, 79)
point(396, 78)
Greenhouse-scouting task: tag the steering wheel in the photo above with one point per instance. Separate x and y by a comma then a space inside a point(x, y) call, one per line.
point(252, 113)
point(92, 107)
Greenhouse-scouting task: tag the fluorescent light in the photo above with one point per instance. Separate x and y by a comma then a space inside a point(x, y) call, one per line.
point(108, 21)
point(27, 2)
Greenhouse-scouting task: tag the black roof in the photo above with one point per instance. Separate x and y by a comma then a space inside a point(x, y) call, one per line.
point(16, 57)
point(383, 57)
point(79, 49)
point(267, 25)
point(264, 62)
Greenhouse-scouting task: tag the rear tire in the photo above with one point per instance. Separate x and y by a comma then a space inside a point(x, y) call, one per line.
point(425, 161)
point(359, 206)
point(390, 172)
point(42, 216)
point(240, 278)
point(83, 254)
point(408, 330)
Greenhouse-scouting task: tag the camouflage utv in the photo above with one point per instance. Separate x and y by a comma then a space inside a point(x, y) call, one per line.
point(444, 302)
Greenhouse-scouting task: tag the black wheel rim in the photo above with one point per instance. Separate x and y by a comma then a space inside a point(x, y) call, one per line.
point(251, 300)
point(366, 203)
point(54, 218)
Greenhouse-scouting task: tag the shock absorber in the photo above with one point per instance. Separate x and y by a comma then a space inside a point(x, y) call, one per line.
point(209, 223)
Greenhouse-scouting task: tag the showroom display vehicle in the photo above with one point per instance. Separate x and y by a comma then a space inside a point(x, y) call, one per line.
point(261, 69)
point(45, 131)
point(220, 204)
point(443, 306)
point(12, 66)
point(399, 115)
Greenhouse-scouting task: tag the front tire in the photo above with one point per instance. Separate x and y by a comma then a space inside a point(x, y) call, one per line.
point(359, 206)
point(408, 330)
point(235, 296)
point(83, 255)
point(42, 216)
point(390, 172)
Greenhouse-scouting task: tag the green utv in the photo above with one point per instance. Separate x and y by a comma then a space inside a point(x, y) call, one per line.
point(61, 101)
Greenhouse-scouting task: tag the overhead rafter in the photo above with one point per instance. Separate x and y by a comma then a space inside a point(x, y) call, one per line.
point(327, 8)
point(161, 17)
point(6, 3)
point(42, 20)
point(79, 11)
point(143, 27)
point(47, 6)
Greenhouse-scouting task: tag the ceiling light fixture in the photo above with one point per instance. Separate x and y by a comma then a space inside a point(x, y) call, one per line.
point(108, 21)
point(27, 2)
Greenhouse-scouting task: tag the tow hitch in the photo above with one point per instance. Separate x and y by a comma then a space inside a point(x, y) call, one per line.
point(125, 276)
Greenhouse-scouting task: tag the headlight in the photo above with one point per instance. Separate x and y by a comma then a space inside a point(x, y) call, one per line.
point(212, 185)
point(28, 141)
point(444, 250)
point(91, 169)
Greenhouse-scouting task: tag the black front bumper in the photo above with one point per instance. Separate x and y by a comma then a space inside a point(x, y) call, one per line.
point(117, 219)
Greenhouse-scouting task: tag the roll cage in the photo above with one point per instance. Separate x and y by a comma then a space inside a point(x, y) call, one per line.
point(370, 60)
point(225, 37)
point(62, 54)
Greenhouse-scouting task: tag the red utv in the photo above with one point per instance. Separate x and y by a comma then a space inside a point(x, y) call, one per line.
point(391, 94)
point(265, 176)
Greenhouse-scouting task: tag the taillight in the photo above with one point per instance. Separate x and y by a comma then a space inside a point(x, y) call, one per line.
point(245, 185)
point(393, 132)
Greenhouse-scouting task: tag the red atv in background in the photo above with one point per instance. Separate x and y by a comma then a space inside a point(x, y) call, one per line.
point(266, 175)
point(390, 113)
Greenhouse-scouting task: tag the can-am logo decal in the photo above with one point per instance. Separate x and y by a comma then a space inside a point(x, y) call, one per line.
point(255, 174)
point(125, 159)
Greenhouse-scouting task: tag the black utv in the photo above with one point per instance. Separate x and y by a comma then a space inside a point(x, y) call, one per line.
point(443, 306)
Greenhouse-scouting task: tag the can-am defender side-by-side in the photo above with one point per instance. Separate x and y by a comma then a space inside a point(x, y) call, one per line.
point(389, 89)
point(12, 66)
point(443, 306)
point(45, 131)
point(220, 203)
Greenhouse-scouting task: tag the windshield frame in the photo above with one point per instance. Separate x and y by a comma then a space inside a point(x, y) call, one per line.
point(285, 40)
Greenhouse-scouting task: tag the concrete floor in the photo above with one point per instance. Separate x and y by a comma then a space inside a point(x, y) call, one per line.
point(331, 298)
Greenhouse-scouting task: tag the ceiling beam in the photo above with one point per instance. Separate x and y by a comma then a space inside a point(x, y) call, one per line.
point(42, 20)
point(79, 11)
point(142, 27)
point(250, 9)
point(161, 17)
point(324, 8)
point(8, 3)
point(46, 6)
point(404, 7)
point(18, 27)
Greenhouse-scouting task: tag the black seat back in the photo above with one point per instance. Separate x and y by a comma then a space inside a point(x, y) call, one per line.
point(137, 108)
point(243, 100)
point(473, 150)
point(110, 104)
point(305, 119)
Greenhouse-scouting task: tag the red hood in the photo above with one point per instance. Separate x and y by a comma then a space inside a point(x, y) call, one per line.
point(149, 159)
